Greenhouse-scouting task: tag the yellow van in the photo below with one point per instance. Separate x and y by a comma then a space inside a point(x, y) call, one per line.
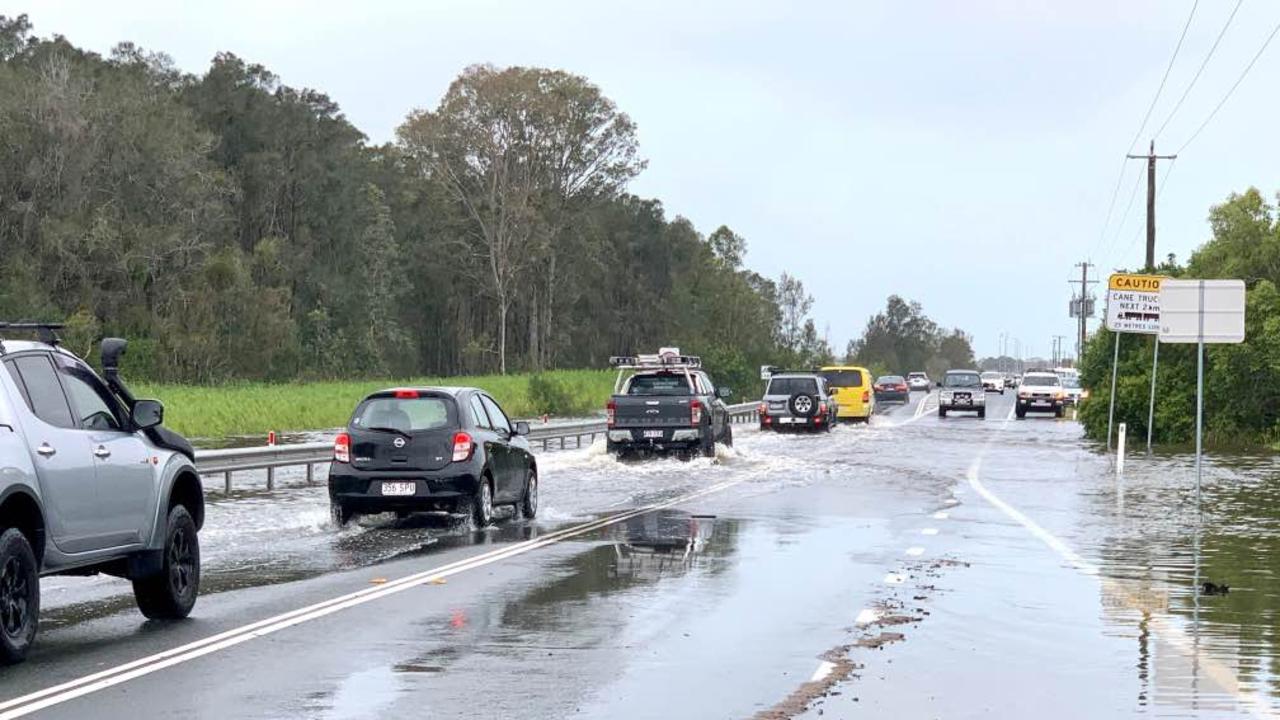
point(851, 387)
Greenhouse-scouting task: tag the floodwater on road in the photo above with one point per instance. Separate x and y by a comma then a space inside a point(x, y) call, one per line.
point(913, 567)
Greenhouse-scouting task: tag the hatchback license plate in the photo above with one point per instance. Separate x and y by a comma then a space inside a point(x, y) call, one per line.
point(653, 434)
point(398, 488)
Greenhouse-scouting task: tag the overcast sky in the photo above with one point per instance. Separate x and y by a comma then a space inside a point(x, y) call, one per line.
point(962, 154)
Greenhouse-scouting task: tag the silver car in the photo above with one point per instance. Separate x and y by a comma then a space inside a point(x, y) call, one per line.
point(89, 483)
point(797, 400)
point(962, 390)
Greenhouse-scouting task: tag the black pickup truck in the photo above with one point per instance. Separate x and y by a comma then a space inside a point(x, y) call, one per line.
point(666, 403)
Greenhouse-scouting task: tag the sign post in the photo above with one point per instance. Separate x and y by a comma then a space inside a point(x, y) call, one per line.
point(1202, 311)
point(1133, 306)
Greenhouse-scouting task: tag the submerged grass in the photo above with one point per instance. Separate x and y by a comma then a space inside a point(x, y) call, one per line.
point(216, 411)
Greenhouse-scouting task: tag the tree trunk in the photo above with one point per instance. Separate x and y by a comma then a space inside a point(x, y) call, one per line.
point(502, 334)
point(535, 357)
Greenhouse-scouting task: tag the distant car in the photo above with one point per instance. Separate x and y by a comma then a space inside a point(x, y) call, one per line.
point(1011, 380)
point(993, 381)
point(850, 386)
point(448, 449)
point(1071, 387)
point(1040, 392)
point(918, 381)
point(797, 400)
point(892, 388)
point(961, 390)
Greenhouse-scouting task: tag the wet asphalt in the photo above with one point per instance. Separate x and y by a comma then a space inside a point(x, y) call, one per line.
point(915, 567)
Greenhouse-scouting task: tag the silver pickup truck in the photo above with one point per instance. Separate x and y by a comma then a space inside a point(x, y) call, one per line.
point(89, 483)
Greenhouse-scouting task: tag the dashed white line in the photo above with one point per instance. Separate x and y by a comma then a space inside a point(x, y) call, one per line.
point(941, 515)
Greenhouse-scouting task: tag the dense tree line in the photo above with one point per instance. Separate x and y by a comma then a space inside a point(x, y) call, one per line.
point(236, 227)
point(1242, 382)
point(902, 339)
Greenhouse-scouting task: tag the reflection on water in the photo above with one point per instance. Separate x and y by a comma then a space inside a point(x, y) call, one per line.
point(1157, 552)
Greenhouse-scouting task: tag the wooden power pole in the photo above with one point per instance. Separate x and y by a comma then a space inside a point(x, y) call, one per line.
point(1151, 158)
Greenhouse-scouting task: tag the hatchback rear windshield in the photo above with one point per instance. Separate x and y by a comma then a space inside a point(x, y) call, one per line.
point(962, 380)
point(890, 380)
point(406, 415)
point(843, 378)
point(792, 386)
point(1047, 380)
point(659, 384)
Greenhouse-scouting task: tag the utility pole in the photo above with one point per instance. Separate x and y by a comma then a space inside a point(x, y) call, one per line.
point(1082, 305)
point(1151, 158)
point(1057, 349)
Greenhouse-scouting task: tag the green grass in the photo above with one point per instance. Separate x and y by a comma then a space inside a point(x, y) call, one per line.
point(255, 408)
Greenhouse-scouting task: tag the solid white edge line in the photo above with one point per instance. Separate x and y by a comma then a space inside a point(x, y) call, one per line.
point(41, 699)
point(1172, 634)
point(866, 617)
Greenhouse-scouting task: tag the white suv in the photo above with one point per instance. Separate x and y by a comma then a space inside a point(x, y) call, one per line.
point(962, 390)
point(993, 381)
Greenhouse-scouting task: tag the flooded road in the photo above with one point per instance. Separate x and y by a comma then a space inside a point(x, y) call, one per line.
point(914, 567)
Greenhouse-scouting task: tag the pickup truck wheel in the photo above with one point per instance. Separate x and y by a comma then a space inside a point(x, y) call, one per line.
point(708, 443)
point(1059, 412)
point(529, 506)
point(19, 596)
point(942, 412)
point(1021, 412)
point(728, 434)
point(982, 413)
point(171, 593)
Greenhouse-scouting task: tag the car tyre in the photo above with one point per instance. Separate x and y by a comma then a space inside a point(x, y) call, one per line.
point(982, 413)
point(1059, 412)
point(942, 412)
point(707, 443)
point(529, 504)
point(171, 593)
point(19, 596)
point(482, 504)
point(728, 434)
point(341, 514)
point(1021, 413)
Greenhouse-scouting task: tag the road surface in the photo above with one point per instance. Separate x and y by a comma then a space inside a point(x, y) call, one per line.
point(917, 567)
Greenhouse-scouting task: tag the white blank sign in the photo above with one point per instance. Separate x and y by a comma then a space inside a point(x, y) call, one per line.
point(1223, 311)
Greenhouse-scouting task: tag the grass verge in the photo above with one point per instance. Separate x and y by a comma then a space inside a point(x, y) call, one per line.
point(256, 408)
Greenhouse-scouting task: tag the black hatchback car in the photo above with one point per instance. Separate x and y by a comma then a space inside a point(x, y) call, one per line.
point(446, 449)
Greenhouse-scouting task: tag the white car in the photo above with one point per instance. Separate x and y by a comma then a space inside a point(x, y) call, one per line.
point(1074, 393)
point(918, 381)
point(993, 382)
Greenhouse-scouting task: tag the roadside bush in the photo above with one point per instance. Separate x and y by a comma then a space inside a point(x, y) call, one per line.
point(550, 396)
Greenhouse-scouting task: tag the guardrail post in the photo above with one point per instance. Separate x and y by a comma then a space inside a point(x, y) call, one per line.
point(271, 478)
point(226, 482)
point(311, 474)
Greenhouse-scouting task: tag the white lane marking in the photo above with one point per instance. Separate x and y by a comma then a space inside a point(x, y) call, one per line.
point(894, 579)
point(921, 412)
point(929, 531)
point(866, 617)
point(1175, 635)
point(941, 515)
point(48, 697)
point(915, 551)
point(952, 501)
point(824, 669)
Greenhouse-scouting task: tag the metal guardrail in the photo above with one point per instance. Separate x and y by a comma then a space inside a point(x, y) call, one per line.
point(227, 461)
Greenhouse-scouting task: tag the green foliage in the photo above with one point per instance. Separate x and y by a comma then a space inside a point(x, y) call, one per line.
point(235, 228)
point(1242, 382)
point(548, 395)
point(903, 339)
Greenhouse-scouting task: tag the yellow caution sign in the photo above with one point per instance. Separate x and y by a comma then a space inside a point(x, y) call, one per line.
point(1133, 303)
point(1138, 283)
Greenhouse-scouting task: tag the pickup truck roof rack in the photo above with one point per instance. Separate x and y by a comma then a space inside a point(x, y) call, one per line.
point(771, 371)
point(655, 362)
point(45, 332)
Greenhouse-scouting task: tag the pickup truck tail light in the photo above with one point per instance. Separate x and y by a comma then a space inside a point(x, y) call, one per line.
point(610, 413)
point(463, 446)
point(764, 409)
point(342, 448)
point(695, 413)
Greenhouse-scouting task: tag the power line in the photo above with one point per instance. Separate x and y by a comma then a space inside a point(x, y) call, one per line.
point(1200, 70)
point(1226, 97)
point(1128, 148)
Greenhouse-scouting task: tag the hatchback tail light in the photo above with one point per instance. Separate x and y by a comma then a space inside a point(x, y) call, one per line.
point(342, 448)
point(610, 413)
point(866, 396)
point(695, 413)
point(462, 447)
